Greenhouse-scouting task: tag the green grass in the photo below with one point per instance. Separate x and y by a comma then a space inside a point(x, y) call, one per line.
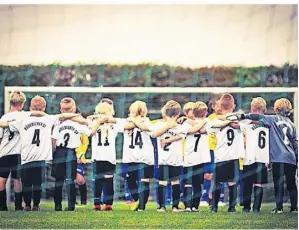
point(122, 217)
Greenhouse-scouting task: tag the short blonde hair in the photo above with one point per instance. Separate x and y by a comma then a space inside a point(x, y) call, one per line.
point(104, 108)
point(188, 106)
point(139, 107)
point(172, 108)
point(17, 98)
point(200, 109)
point(259, 104)
point(110, 102)
point(282, 106)
point(68, 105)
point(38, 103)
point(227, 101)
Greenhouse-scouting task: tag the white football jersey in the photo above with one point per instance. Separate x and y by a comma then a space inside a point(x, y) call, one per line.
point(67, 134)
point(35, 137)
point(257, 142)
point(196, 149)
point(171, 153)
point(10, 143)
point(138, 147)
point(230, 142)
point(103, 144)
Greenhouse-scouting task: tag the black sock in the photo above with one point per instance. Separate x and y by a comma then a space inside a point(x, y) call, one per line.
point(143, 194)
point(109, 190)
point(247, 194)
point(258, 197)
point(216, 194)
point(188, 197)
point(232, 195)
point(3, 198)
point(83, 193)
point(18, 200)
point(27, 193)
point(98, 188)
point(196, 195)
point(58, 192)
point(37, 194)
point(132, 184)
point(161, 195)
point(175, 195)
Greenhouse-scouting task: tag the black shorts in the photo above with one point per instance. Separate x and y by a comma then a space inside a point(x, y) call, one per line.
point(10, 164)
point(227, 171)
point(34, 172)
point(64, 164)
point(169, 172)
point(255, 173)
point(139, 171)
point(102, 168)
point(194, 174)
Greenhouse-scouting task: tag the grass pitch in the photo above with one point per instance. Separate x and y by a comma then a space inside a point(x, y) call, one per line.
point(123, 217)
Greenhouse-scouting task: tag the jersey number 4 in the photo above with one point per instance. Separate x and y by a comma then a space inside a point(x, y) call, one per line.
point(35, 140)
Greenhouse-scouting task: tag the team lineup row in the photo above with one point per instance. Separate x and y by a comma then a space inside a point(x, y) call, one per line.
point(216, 142)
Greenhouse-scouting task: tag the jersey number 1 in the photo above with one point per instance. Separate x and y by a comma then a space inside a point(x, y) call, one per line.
point(35, 140)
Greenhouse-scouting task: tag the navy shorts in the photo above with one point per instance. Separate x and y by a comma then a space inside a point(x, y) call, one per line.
point(10, 164)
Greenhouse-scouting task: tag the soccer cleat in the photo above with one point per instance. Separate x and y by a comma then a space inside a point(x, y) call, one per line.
point(69, 209)
point(231, 210)
point(27, 209)
point(161, 209)
point(108, 208)
point(256, 211)
point(214, 209)
point(245, 210)
point(277, 211)
point(204, 203)
point(176, 209)
point(97, 207)
point(19, 209)
point(195, 209)
point(187, 210)
point(58, 207)
point(221, 203)
point(134, 206)
point(140, 210)
point(3, 208)
point(35, 208)
point(294, 210)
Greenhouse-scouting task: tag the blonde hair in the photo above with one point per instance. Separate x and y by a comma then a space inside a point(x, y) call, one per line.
point(17, 98)
point(200, 109)
point(259, 104)
point(188, 106)
point(282, 106)
point(227, 101)
point(38, 103)
point(139, 107)
point(172, 108)
point(68, 105)
point(104, 109)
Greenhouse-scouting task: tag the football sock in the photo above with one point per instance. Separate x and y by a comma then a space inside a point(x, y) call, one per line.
point(196, 194)
point(58, 192)
point(216, 195)
point(37, 194)
point(83, 193)
point(188, 197)
point(232, 195)
point(175, 195)
point(161, 195)
point(247, 195)
point(132, 184)
point(143, 194)
point(222, 192)
point(3, 198)
point(206, 190)
point(109, 190)
point(98, 190)
point(27, 193)
point(258, 197)
point(18, 200)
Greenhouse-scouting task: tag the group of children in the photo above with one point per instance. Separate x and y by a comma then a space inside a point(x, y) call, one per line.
point(211, 148)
